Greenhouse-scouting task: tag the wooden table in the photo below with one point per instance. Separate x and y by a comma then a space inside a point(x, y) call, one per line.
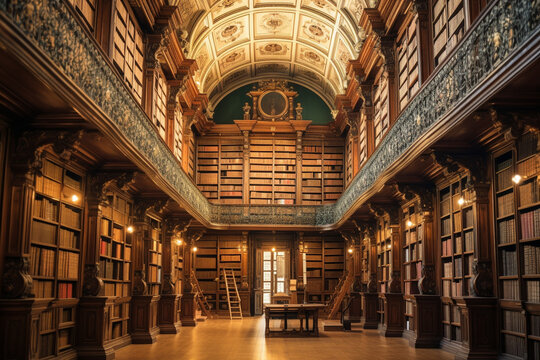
point(293, 311)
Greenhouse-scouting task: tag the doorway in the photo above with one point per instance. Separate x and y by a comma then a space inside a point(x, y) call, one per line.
point(275, 273)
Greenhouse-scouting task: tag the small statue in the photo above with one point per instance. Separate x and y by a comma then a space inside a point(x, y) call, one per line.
point(299, 109)
point(246, 109)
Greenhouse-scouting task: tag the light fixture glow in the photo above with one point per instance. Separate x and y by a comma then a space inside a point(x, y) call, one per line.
point(130, 229)
point(273, 249)
point(461, 201)
point(350, 250)
point(409, 223)
point(389, 247)
point(516, 178)
point(74, 198)
point(194, 249)
point(178, 242)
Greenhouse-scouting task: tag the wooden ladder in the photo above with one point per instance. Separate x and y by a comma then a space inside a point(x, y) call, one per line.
point(233, 298)
point(345, 288)
point(335, 293)
point(199, 295)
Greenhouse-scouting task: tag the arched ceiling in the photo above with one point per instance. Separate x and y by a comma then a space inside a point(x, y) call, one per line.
point(241, 41)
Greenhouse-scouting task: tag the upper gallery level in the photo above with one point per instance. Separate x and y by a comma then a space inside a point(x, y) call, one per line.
point(393, 80)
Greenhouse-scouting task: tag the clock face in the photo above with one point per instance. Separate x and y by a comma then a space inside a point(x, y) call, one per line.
point(273, 104)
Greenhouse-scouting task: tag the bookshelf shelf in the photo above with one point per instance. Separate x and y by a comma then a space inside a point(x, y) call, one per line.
point(518, 215)
point(55, 252)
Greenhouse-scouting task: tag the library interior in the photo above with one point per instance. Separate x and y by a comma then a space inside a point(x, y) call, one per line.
point(269, 179)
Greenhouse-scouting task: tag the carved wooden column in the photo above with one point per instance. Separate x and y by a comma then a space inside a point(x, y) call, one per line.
point(94, 307)
point(354, 259)
point(427, 304)
point(370, 318)
point(300, 250)
point(168, 317)
point(299, 135)
point(393, 297)
point(479, 325)
point(388, 52)
point(143, 306)
point(19, 310)
point(244, 286)
point(188, 311)
point(353, 133)
point(425, 47)
point(173, 106)
point(245, 174)
point(366, 114)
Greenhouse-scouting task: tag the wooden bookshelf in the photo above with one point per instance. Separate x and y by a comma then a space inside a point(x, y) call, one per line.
point(413, 236)
point(334, 260)
point(381, 116)
point(87, 10)
point(115, 260)
point(272, 176)
point(314, 267)
point(312, 154)
point(208, 169)
point(215, 253)
point(349, 159)
point(407, 53)
point(231, 167)
point(206, 267)
point(517, 213)
point(448, 21)
point(384, 257)
point(333, 162)
point(56, 233)
point(457, 236)
point(153, 249)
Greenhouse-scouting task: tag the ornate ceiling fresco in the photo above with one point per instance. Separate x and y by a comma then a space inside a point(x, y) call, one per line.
point(236, 42)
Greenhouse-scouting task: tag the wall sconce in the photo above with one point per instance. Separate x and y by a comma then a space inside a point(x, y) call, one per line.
point(350, 250)
point(74, 198)
point(194, 249)
point(461, 201)
point(516, 178)
point(178, 241)
point(130, 229)
point(409, 223)
point(273, 249)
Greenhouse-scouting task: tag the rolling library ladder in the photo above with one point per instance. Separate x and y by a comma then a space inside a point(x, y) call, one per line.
point(233, 298)
point(201, 299)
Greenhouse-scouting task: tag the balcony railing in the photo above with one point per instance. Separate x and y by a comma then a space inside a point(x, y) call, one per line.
point(500, 32)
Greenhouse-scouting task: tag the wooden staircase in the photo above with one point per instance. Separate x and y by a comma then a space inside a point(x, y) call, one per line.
point(342, 289)
point(233, 297)
point(199, 295)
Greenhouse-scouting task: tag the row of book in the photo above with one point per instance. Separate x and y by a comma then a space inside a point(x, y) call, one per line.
point(510, 290)
point(154, 274)
point(114, 270)
point(513, 321)
point(531, 259)
point(514, 345)
point(43, 233)
point(505, 204)
point(413, 271)
point(71, 217)
point(528, 193)
point(65, 290)
point(69, 239)
point(45, 209)
point(508, 263)
point(52, 170)
point(530, 224)
point(48, 187)
point(533, 291)
point(507, 232)
point(108, 248)
point(68, 265)
point(116, 289)
point(43, 288)
point(504, 178)
point(46, 320)
point(42, 263)
point(154, 258)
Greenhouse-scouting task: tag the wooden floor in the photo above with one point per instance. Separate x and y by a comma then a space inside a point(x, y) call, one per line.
point(244, 339)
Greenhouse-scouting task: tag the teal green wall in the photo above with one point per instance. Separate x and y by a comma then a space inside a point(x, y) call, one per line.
point(230, 107)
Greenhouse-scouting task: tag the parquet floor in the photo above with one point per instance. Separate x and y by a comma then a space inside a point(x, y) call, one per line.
point(244, 340)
